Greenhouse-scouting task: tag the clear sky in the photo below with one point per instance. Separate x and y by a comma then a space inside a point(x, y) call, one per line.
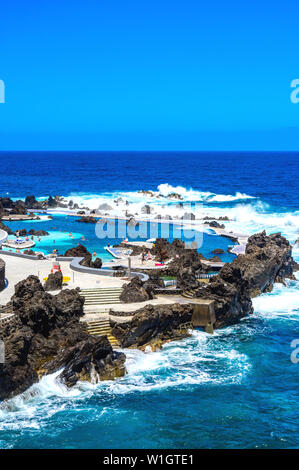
point(145, 75)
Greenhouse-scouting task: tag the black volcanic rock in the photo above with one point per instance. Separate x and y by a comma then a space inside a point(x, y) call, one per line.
point(78, 251)
point(87, 220)
point(54, 281)
point(45, 335)
point(7, 203)
point(267, 259)
point(52, 202)
point(134, 291)
point(214, 224)
point(97, 263)
point(19, 208)
point(153, 324)
point(92, 359)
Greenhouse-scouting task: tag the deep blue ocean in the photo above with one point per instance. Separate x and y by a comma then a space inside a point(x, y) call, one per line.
point(235, 389)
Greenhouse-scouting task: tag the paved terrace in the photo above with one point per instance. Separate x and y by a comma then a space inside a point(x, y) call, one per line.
point(96, 313)
point(18, 269)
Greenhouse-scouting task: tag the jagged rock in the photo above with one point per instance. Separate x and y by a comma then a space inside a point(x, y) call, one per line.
point(38, 233)
point(215, 224)
point(32, 203)
point(97, 263)
point(134, 291)
point(152, 324)
point(19, 208)
point(52, 202)
point(46, 335)
point(87, 220)
point(29, 252)
point(154, 282)
point(175, 196)
point(7, 203)
point(54, 281)
point(91, 360)
point(23, 232)
point(78, 251)
point(267, 259)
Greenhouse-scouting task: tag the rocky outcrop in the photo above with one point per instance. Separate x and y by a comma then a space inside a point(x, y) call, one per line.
point(218, 251)
point(46, 335)
point(37, 233)
point(163, 250)
point(54, 281)
point(91, 360)
point(97, 263)
point(5, 228)
point(135, 291)
point(19, 208)
point(267, 259)
point(214, 224)
point(82, 252)
point(153, 325)
point(32, 203)
point(77, 251)
point(87, 220)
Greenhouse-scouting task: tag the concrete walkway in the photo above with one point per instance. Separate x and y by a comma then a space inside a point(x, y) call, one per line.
point(18, 269)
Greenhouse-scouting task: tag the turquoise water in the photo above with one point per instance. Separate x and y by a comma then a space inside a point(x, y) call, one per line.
point(61, 226)
point(237, 388)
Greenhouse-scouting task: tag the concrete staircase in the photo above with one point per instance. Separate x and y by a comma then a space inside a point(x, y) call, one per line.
point(188, 294)
point(101, 327)
point(104, 296)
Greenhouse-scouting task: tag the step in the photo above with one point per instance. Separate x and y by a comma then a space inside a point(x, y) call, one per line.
point(102, 301)
point(101, 297)
point(99, 291)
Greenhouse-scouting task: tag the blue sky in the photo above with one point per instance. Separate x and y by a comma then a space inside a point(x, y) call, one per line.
point(152, 75)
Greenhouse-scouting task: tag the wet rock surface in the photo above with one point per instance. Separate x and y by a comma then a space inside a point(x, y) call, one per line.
point(153, 325)
point(267, 259)
point(45, 335)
